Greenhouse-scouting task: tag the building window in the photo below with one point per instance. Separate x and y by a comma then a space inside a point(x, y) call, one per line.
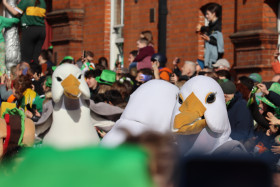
point(117, 24)
point(278, 28)
point(118, 16)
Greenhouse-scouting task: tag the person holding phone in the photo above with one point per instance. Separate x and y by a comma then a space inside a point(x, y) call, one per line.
point(143, 76)
point(32, 15)
point(87, 60)
point(212, 35)
point(176, 69)
point(159, 66)
point(187, 71)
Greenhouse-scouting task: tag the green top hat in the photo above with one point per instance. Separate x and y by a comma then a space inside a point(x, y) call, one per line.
point(66, 58)
point(106, 77)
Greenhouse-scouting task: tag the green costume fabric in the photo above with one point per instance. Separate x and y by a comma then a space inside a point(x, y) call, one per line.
point(275, 87)
point(30, 97)
point(38, 101)
point(252, 96)
point(31, 15)
point(16, 111)
point(45, 167)
point(6, 23)
point(2, 58)
point(87, 66)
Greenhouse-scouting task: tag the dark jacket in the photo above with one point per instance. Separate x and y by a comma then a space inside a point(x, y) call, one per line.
point(240, 118)
point(258, 117)
point(94, 93)
point(213, 26)
point(274, 98)
point(254, 108)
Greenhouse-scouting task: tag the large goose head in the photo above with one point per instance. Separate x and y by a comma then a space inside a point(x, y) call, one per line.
point(69, 80)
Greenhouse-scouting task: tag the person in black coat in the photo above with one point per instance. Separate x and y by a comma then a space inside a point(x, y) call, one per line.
point(239, 115)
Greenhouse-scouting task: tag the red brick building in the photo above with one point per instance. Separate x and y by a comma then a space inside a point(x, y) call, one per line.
point(249, 28)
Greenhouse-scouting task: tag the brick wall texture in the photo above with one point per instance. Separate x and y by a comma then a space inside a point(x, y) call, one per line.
point(249, 28)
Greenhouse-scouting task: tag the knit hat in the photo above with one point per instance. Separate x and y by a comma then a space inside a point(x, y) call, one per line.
point(255, 77)
point(106, 77)
point(222, 62)
point(228, 87)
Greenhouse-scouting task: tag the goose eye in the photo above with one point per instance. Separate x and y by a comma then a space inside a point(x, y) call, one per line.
point(180, 99)
point(58, 79)
point(210, 98)
point(80, 76)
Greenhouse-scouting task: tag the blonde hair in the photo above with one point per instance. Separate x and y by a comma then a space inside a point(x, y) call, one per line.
point(103, 88)
point(48, 96)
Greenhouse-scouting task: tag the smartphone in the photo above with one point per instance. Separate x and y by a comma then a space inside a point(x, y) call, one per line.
point(84, 54)
point(178, 60)
point(146, 77)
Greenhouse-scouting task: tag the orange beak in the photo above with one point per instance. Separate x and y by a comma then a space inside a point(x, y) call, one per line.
point(189, 120)
point(71, 87)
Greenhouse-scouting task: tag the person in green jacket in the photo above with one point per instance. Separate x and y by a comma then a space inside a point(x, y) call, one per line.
point(32, 15)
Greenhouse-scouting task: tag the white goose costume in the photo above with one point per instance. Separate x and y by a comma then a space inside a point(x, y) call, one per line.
point(200, 116)
point(149, 109)
point(72, 125)
point(69, 117)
